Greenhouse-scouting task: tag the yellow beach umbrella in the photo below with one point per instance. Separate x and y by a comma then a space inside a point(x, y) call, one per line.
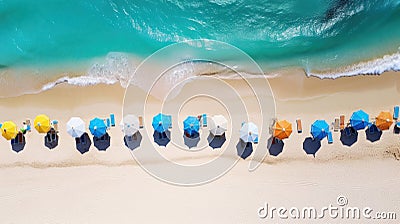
point(42, 123)
point(384, 120)
point(282, 129)
point(9, 130)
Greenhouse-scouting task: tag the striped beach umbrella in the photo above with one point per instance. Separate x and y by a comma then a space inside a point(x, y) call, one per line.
point(249, 132)
point(161, 122)
point(97, 127)
point(191, 125)
point(359, 120)
point(218, 125)
point(319, 129)
point(9, 130)
point(282, 129)
point(130, 125)
point(76, 127)
point(42, 123)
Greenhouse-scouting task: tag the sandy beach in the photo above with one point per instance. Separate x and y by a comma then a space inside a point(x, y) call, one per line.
point(62, 186)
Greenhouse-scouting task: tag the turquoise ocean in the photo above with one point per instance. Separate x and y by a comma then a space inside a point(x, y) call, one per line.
point(324, 37)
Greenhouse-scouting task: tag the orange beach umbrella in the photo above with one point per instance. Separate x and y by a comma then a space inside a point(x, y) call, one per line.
point(282, 129)
point(9, 130)
point(42, 123)
point(384, 120)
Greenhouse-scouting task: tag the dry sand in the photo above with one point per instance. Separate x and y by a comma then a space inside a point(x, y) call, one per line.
point(63, 186)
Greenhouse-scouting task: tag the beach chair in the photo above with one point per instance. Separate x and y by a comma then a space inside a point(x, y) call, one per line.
point(336, 125)
point(55, 125)
point(170, 121)
point(204, 117)
point(140, 122)
point(396, 112)
point(330, 138)
point(28, 125)
point(255, 141)
point(112, 120)
point(299, 126)
point(342, 117)
point(108, 123)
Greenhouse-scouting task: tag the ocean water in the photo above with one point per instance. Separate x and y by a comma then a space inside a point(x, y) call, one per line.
point(327, 38)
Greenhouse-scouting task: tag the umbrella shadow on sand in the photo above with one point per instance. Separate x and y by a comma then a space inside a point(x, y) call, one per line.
point(275, 146)
point(311, 146)
point(83, 143)
point(162, 138)
point(244, 149)
point(216, 141)
point(18, 143)
point(102, 143)
point(373, 133)
point(192, 140)
point(348, 136)
point(133, 141)
point(51, 139)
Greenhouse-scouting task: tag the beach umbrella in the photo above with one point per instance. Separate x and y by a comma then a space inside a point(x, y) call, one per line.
point(130, 124)
point(161, 122)
point(249, 132)
point(76, 127)
point(162, 138)
point(359, 120)
point(319, 129)
point(51, 139)
point(192, 140)
point(275, 146)
point(373, 133)
point(42, 123)
point(282, 129)
point(348, 136)
point(9, 130)
point(97, 127)
point(216, 141)
point(133, 141)
point(244, 149)
point(83, 143)
point(18, 143)
point(384, 120)
point(218, 125)
point(191, 125)
point(103, 142)
point(311, 146)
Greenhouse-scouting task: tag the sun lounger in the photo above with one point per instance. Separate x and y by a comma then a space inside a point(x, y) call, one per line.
point(255, 140)
point(330, 138)
point(55, 125)
point(396, 112)
point(28, 125)
point(140, 122)
point(336, 125)
point(342, 122)
point(108, 122)
point(204, 117)
point(299, 126)
point(112, 120)
point(170, 120)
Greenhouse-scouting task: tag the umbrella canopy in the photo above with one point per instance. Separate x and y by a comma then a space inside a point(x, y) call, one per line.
point(216, 141)
point(275, 146)
point(18, 143)
point(162, 138)
point(282, 129)
point(244, 149)
point(130, 124)
point(359, 120)
point(311, 146)
point(83, 143)
point(9, 130)
point(218, 125)
point(42, 123)
point(97, 127)
point(76, 127)
point(384, 120)
point(133, 141)
point(319, 129)
point(161, 122)
point(348, 136)
point(191, 125)
point(103, 142)
point(373, 133)
point(249, 132)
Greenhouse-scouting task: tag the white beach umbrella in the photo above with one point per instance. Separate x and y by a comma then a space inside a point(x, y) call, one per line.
point(76, 127)
point(218, 125)
point(249, 132)
point(130, 124)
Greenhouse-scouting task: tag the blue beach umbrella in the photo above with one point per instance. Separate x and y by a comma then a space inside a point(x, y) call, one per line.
point(319, 129)
point(161, 122)
point(97, 127)
point(191, 125)
point(359, 120)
